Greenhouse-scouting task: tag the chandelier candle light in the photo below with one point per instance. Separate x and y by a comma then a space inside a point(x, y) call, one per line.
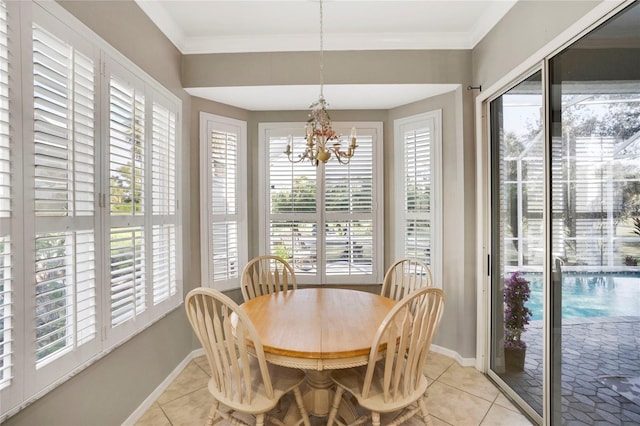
point(319, 132)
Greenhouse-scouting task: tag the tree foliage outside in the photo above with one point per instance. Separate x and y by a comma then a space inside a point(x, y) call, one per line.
point(340, 196)
point(618, 120)
point(126, 189)
point(51, 294)
point(300, 199)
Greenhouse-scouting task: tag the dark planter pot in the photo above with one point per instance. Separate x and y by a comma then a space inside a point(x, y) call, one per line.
point(514, 359)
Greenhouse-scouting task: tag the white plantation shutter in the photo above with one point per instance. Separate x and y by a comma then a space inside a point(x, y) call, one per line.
point(126, 149)
point(417, 193)
point(293, 210)
point(224, 187)
point(163, 182)
point(89, 206)
point(7, 314)
point(350, 213)
point(128, 290)
point(224, 241)
point(127, 161)
point(65, 187)
point(323, 220)
point(418, 189)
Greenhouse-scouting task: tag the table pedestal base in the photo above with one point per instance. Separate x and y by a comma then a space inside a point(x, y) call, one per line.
point(318, 397)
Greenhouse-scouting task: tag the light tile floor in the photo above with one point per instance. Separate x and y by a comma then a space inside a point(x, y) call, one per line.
point(456, 396)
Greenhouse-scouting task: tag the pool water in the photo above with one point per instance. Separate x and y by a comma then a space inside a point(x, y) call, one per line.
point(585, 296)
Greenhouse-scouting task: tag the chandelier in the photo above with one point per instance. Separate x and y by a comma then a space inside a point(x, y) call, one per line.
point(321, 140)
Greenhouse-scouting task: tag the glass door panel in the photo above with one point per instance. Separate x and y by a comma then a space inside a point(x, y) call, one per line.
point(517, 164)
point(595, 225)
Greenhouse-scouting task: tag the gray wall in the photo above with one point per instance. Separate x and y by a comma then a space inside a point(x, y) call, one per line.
point(524, 30)
point(341, 67)
point(457, 329)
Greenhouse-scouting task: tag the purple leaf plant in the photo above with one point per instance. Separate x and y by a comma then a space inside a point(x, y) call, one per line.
point(516, 315)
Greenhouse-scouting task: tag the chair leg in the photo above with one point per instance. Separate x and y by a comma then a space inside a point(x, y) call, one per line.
point(260, 420)
point(426, 418)
point(300, 402)
point(375, 418)
point(335, 405)
point(212, 413)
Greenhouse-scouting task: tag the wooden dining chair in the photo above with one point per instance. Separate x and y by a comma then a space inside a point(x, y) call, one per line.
point(405, 276)
point(266, 275)
point(241, 380)
point(393, 380)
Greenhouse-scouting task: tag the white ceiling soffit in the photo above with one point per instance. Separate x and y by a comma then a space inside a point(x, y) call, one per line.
point(339, 96)
point(219, 26)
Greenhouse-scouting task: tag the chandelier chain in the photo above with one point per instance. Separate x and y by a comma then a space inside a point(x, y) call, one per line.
point(321, 53)
point(322, 142)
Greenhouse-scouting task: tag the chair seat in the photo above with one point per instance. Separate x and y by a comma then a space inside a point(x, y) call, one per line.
point(283, 381)
point(352, 379)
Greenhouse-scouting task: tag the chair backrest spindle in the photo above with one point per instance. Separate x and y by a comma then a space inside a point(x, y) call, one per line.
point(226, 348)
point(266, 275)
point(405, 335)
point(404, 276)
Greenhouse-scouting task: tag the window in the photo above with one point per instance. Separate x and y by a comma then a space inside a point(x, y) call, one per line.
point(223, 198)
point(88, 200)
point(7, 171)
point(419, 189)
point(345, 201)
point(63, 208)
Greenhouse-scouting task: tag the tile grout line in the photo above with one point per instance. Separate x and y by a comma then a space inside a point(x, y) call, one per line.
point(165, 414)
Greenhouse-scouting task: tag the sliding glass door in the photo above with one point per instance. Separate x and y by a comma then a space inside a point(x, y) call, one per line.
point(517, 203)
point(566, 200)
point(595, 225)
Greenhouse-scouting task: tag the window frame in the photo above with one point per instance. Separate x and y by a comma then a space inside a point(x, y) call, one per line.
point(433, 120)
point(210, 122)
point(28, 382)
point(297, 129)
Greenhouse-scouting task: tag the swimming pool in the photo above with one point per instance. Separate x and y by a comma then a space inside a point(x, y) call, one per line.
point(593, 295)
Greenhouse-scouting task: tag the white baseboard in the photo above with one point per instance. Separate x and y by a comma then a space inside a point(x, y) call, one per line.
point(148, 402)
point(465, 362)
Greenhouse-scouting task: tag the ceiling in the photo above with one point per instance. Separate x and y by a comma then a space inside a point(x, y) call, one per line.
point(217, 26)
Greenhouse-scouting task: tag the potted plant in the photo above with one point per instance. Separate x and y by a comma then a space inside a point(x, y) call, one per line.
point(516, 317)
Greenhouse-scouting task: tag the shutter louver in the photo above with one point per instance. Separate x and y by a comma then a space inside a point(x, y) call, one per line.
point(6, 314)
point(224, 191)
point(164, 203)
point(417, 198)
point(6, 279)
point(127, 163)
point(126, 169)
point(349, 212)
point(58, 317)
point(292, 208)
point(224, 152)
point(64, 160)
point(163, 262)
point(128, 292)
point(63, 128)
point(224, 250)
point(163, 161)
point(292, 186)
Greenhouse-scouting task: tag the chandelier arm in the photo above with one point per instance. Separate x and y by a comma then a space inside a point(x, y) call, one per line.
point(340, 157)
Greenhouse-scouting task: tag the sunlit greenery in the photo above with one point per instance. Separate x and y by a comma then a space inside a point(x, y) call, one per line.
point(51, 292)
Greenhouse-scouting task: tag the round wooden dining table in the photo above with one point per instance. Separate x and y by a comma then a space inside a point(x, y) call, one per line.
point(318, 329)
